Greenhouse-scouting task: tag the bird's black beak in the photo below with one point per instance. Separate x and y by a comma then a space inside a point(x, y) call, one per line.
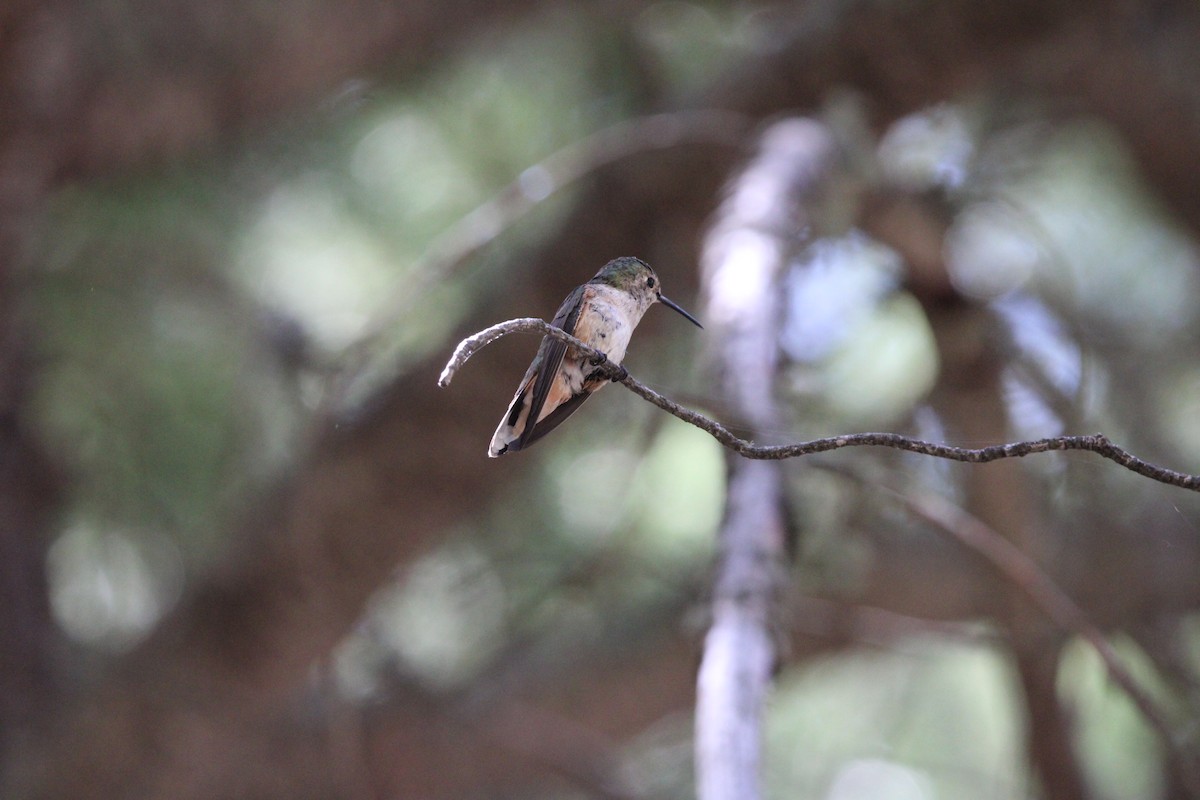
point(672, 305)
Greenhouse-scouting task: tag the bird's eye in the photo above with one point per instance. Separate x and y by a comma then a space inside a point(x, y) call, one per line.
point(650, 281)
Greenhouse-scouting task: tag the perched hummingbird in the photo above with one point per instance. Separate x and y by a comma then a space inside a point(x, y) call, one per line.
point(601, 313)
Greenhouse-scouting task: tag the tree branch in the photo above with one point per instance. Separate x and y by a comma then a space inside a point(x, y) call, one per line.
point(1024, 572)
point(760, 220)
point(1096, 443)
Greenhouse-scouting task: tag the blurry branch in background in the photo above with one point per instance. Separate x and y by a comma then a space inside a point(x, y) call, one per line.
point(1096, 443)
point(1024, 573)
point(536, 184)
point(452, 248)
point(750, 243)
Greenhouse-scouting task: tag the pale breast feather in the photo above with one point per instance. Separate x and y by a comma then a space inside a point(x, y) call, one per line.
point(606, 323)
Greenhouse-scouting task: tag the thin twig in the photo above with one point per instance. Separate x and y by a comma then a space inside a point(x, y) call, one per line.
point(1096, 443)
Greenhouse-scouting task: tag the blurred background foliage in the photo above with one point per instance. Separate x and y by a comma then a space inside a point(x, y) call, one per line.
point(193, 320)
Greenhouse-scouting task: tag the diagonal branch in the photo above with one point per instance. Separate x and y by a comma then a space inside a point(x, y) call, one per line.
point(452, 249)
point(1024, 572)
point(1096, 443)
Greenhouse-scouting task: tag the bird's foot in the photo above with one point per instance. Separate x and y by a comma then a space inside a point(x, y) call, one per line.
point(615, 371)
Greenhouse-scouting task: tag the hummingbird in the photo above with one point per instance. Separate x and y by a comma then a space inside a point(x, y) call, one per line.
point(601, 313)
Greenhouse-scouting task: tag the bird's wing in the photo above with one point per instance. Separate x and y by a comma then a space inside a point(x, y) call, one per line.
point(553, 419)
point(552, 355)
